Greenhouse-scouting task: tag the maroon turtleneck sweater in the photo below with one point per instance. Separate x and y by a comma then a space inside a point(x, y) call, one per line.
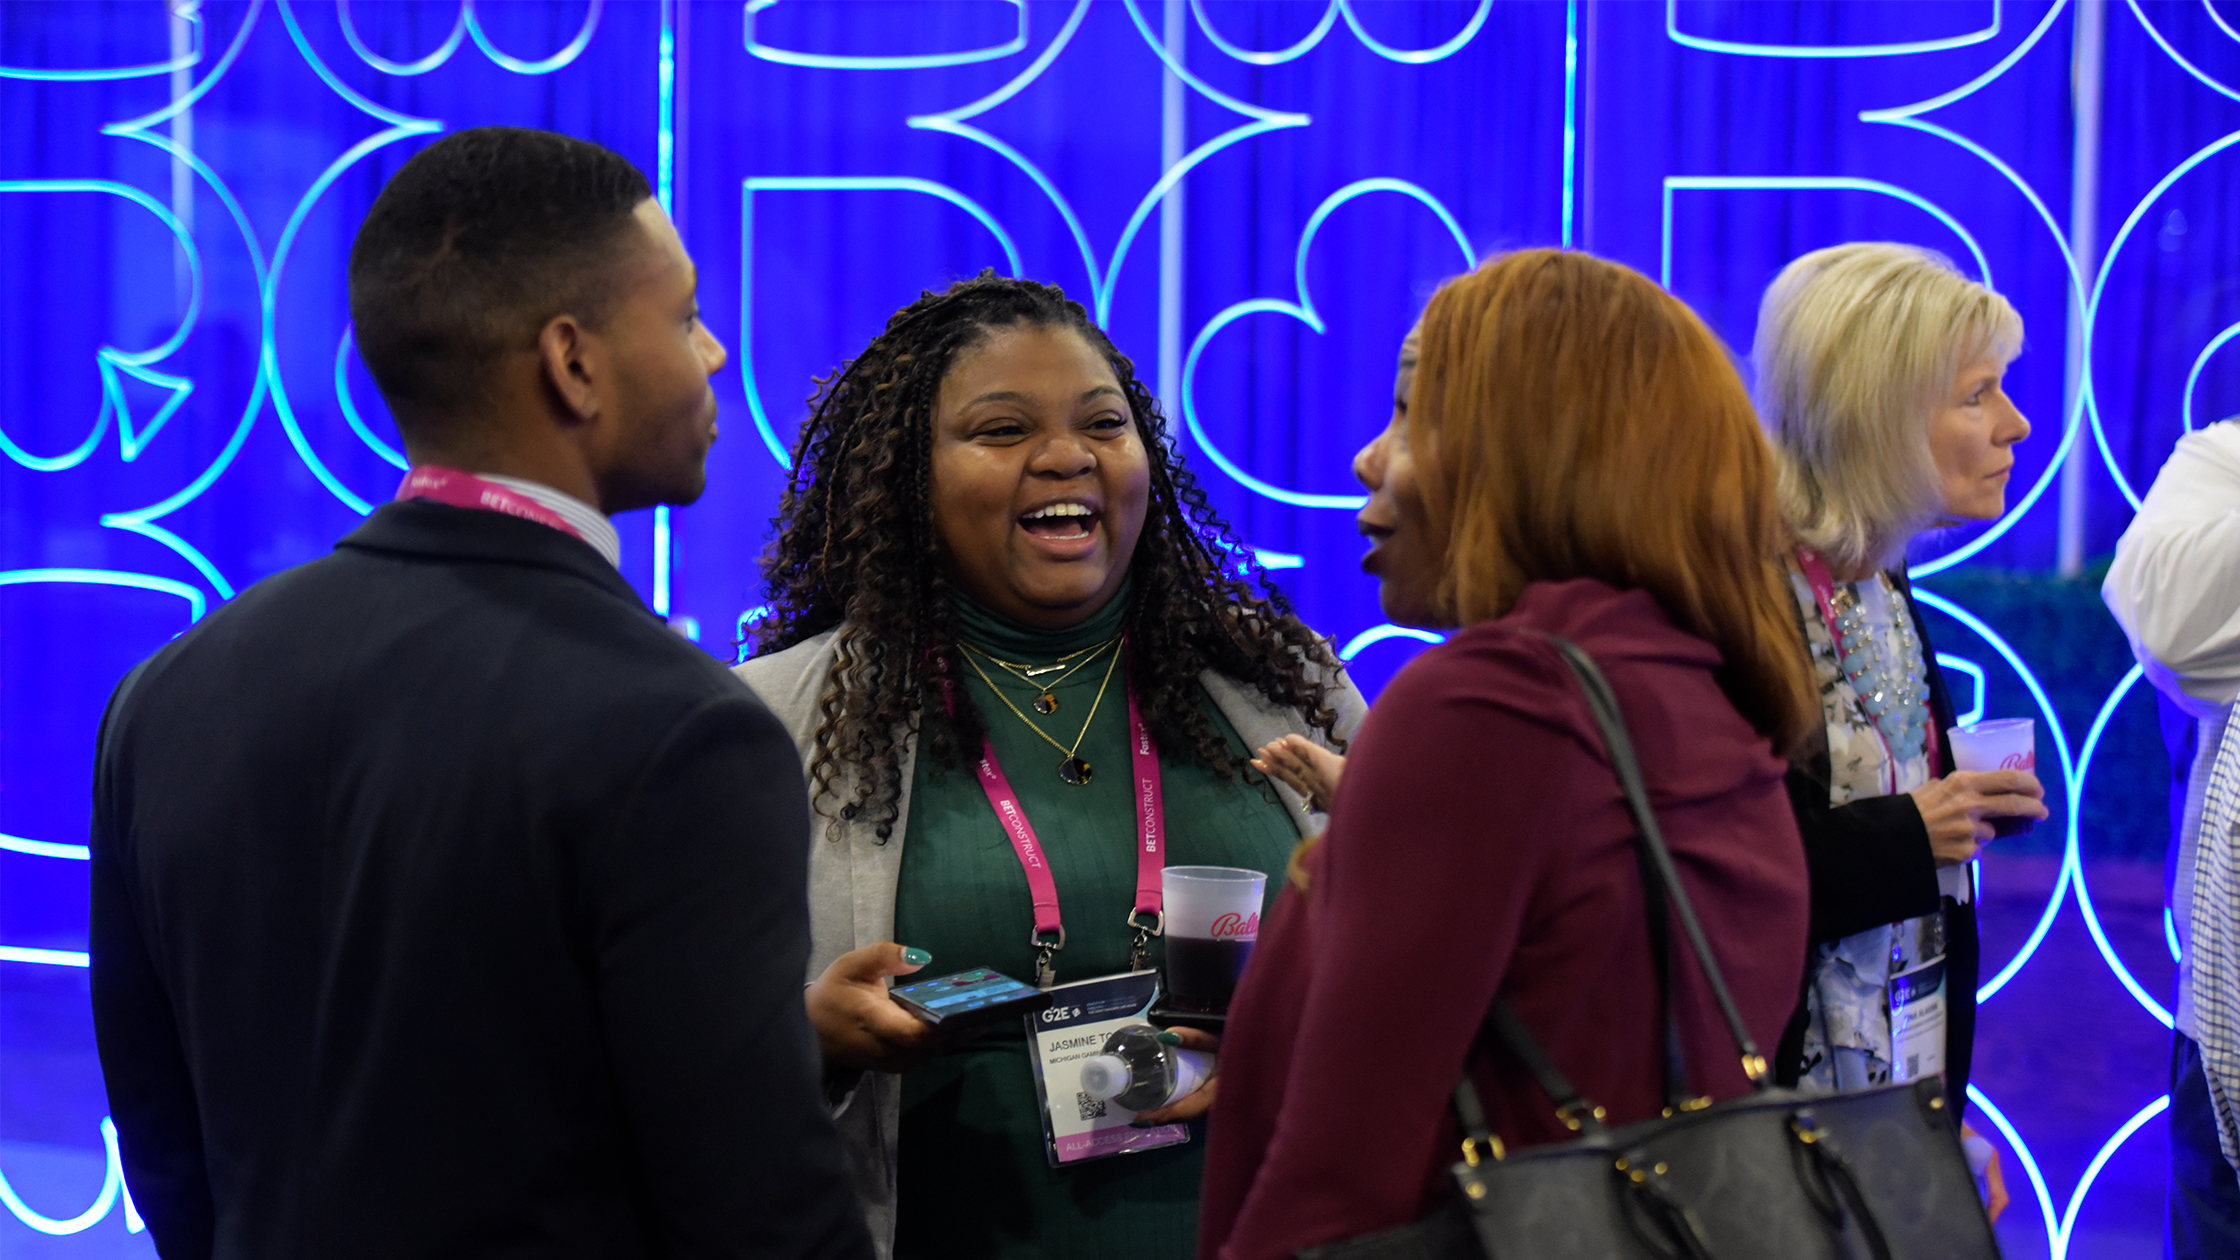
point(1479, 844)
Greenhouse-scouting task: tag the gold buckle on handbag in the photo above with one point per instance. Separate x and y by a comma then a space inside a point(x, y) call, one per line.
point(1493, 1145)
point(1569, 1113)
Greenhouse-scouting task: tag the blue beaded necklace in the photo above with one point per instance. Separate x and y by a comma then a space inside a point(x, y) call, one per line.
point(1895, 699)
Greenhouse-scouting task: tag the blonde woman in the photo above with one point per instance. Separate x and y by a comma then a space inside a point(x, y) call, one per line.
point(1879, 384)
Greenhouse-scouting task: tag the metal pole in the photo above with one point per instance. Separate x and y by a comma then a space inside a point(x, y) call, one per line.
point(1586, 149)
point(1173, 142)
point(1570, 117)
point(183, 14)
point(665, 140)
point(2087, 34)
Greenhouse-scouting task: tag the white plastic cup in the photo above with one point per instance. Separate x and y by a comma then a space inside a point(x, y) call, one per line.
point(2000, 744)
point(1212, 903)
point(1212, 919)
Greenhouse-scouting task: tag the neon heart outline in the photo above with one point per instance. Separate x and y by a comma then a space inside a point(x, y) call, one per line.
point(1304, 311)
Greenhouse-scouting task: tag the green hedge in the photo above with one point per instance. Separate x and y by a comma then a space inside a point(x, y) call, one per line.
point(2078, 654)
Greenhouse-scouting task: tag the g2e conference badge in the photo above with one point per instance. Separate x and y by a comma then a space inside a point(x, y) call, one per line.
point(1081, 1017)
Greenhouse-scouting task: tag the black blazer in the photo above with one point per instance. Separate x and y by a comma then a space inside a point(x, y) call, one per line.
point(446, 904)
point(1871, 864)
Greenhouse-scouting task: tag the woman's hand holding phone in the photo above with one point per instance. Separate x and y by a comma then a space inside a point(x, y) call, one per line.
point(858, 1025)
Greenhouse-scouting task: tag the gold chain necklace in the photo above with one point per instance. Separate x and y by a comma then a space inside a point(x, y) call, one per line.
point(1029, 670)
point(1073, 769)
point(1045, 700)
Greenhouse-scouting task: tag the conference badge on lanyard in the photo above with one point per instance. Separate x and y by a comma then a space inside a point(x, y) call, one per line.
point(1080, 1123)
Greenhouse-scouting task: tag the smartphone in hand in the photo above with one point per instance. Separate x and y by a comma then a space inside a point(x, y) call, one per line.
point(969, 999)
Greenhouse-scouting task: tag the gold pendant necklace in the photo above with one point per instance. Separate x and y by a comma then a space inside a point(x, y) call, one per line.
point(1073, 769)
point(1046, 700)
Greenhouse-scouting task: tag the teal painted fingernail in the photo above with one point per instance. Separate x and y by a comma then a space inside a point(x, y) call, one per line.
point(1170, 1038)
point(916, 957)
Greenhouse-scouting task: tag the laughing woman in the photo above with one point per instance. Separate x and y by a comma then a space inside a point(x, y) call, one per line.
point(987, 544)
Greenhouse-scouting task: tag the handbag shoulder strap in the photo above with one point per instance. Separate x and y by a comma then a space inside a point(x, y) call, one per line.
point(1662, 883)
point(1602, 702)
point(1572, 1107)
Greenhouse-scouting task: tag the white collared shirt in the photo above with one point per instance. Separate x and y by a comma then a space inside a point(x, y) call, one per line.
point(587, 520)
point(2175, 590)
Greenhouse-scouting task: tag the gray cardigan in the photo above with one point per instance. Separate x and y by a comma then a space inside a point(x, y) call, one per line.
point(852, 876)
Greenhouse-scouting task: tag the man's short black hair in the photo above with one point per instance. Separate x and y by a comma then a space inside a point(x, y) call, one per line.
point(475, 243)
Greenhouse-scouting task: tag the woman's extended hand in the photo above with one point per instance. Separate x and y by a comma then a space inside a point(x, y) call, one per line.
point(1310, 769)
point(1959, 808)
point(859, 1026)
point(1198, 1101)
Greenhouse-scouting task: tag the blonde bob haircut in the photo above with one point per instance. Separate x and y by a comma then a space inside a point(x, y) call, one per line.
point(1857, 347)
point(1574, 420)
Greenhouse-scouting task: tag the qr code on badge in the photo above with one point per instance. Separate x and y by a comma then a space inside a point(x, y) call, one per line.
point(1091, 1108)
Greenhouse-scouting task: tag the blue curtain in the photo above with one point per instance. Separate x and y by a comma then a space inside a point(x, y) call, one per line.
point(1254, 197)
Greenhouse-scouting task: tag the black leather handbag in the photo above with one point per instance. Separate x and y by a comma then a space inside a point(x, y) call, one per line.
point(1774, 1175)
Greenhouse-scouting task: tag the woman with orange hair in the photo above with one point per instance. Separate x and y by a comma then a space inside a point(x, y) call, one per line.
point(1571, 454)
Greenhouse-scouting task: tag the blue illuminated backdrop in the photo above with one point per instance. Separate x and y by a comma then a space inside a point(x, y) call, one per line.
point(1255, 198)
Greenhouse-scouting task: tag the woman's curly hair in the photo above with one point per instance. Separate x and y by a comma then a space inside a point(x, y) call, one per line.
point(854, 545)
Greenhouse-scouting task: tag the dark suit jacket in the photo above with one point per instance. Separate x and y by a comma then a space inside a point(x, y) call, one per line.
point(445, 904)
point(1871, 864)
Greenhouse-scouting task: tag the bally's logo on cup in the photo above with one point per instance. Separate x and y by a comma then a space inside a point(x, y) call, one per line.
point(1235, 927)
point(2020, 761)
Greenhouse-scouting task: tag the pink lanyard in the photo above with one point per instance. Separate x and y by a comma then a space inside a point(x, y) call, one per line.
point(1049, 935)
point(462, 489)
point(1824, 593)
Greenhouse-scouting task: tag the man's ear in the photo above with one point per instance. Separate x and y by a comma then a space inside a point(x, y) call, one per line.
point(568, 360)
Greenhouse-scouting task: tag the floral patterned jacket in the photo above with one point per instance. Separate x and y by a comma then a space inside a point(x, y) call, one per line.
point(1869, 854)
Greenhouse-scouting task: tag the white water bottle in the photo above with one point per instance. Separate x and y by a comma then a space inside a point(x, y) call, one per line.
point(1139, 1072)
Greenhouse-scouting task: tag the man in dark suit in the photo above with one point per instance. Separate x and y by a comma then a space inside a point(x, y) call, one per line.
point(444, 902)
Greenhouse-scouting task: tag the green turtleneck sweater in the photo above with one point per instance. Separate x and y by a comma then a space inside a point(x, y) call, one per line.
point(973, 1177)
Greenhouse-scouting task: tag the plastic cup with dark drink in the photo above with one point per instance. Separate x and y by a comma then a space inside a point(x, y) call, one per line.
point(1212, 919)
point(2000, 744)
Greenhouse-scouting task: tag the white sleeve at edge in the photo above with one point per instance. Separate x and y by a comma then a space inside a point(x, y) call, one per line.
point(2175, 583)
